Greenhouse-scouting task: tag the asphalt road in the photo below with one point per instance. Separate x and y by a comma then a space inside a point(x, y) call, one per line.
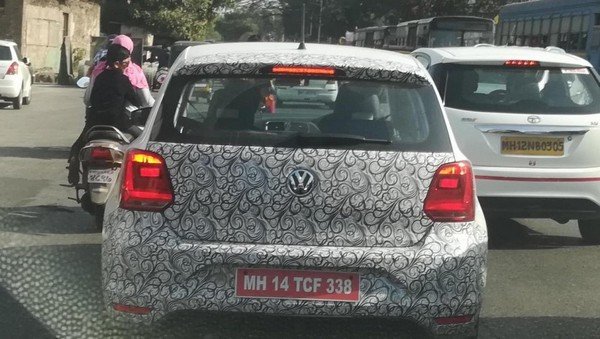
point(542, 281)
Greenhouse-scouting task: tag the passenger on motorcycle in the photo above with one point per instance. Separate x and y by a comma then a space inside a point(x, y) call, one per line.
point(112, 91)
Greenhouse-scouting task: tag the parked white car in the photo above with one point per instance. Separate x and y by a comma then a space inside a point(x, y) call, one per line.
point(529, 120)
point(368, 210)
point(306, 90)
point(15, 76)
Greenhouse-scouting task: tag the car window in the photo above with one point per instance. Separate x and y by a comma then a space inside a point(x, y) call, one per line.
point(245, 111)
point(5, 53)
point(519, 90)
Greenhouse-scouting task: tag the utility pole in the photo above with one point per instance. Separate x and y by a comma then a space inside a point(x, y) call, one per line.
point(320, 15)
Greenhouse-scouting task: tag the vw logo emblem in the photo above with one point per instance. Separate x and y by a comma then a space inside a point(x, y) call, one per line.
point(301, 182)
point(534, 119)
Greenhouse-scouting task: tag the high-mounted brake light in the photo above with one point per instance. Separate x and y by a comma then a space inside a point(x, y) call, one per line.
point(13, 69)
point(451, 196)
point(522, 63)
point(297, 70)
point(146, 182)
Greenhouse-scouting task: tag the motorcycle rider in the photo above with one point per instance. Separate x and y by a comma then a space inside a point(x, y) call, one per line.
point(111, 92)
point(139, 84)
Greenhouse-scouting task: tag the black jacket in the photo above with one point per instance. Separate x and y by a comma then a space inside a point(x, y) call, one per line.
point(112, 89)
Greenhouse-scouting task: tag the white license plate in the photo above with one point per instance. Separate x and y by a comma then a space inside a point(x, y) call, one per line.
point(105, 176)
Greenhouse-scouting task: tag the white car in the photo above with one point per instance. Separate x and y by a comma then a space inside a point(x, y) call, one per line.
point(306, 90)
point(15, 77)
point(529, 120)
point(368, 210)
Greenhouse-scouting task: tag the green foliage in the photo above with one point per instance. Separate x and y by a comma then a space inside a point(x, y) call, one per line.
point(78, 55)
point(184, 19)
point(232, 26)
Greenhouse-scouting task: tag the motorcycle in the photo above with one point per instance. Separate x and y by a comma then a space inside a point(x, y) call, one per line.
point(100, 161)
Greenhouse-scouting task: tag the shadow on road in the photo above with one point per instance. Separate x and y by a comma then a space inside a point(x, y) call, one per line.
point(235, 325)
point(539, 327)
point(46, 220)
point(45, 153)
point(510, 234)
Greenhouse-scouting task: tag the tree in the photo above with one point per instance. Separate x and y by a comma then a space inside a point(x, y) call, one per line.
point(186, 19)
point(232, 26)
point(249, 18)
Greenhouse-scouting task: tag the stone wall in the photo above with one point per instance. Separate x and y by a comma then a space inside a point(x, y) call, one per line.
point(11, 20)
point(44, 29)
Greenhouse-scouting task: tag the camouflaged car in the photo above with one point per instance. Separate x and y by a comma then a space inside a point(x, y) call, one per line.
point(363, 209)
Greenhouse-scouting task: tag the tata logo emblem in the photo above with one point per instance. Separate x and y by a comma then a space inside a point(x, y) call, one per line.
point(533, 119)
point(301, 182)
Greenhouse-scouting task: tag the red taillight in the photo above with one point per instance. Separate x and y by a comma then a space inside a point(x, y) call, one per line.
point(13, 69)
point(298, 70)
point(146, 182)
point(131, 309)
point(462, 319)
point(101, 154)
point(451, 195)
point(522, 63)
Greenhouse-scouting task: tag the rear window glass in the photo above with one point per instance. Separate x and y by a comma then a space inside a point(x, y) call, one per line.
point(313, 113)
point(5, 53)
point(521, 90)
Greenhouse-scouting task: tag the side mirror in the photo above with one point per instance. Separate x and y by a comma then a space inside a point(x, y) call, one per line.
point(26, 61)
point(140, 116)
point(83, 82)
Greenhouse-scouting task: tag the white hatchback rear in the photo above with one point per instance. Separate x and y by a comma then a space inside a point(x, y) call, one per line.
point(15, 77)
point(528, 120)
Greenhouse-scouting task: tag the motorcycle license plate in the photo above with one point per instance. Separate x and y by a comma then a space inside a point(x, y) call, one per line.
point(104, 176)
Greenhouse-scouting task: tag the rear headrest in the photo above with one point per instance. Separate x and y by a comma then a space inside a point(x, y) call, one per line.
point(470, 82)
point(356, 103)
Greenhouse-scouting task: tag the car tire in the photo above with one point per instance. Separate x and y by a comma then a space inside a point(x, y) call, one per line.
point(18, 101)
point(590, 231)
point(27, 99)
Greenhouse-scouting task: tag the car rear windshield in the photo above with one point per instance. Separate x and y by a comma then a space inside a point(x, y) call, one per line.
point(519, 90)
point(5, 53)
point(347, 115)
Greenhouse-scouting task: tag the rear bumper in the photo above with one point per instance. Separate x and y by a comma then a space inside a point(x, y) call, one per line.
point(539, 193)
point(444, 276)
point(10, 87)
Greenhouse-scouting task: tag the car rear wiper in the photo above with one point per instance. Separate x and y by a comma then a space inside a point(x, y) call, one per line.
point(333, 139)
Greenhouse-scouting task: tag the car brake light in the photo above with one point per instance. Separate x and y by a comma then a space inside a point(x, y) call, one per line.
point(451, 195)
point(296, 70)
point(522, 63)
point(13, 69)
point(146, 182)
point(101, 154)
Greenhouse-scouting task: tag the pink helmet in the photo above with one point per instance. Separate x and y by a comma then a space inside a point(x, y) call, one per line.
point(124, 41)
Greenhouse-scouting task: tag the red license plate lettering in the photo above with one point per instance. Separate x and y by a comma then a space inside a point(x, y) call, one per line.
point(297, 284)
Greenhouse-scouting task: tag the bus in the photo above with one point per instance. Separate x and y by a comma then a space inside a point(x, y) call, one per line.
point(442, 31)
point(369, 36)
point(572, 25)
